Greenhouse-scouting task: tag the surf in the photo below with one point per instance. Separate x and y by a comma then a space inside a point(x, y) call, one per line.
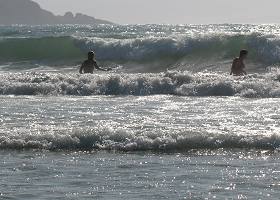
point(176, 83)
point(122, 139)
point(146, 48)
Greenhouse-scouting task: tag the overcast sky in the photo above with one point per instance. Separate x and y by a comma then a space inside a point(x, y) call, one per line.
point(171, 11)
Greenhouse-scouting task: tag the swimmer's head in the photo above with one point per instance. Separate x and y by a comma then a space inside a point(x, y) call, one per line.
point(91, 55)
point(243, 53)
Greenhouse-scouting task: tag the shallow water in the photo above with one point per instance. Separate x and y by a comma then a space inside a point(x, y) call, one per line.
point(139, 48)
point(220, 174)
point(160, 147)
point(164, 123)
point(190, 132)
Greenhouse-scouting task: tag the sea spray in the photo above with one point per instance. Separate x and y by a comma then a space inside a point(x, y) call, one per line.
point(168, 83)
point(150, 48)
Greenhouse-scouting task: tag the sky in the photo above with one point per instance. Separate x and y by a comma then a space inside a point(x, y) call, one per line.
point(171, 11)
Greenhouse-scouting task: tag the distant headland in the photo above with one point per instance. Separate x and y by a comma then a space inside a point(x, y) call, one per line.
point(30, 13)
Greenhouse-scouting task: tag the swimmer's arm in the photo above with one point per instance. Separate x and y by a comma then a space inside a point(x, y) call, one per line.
point(234, 63)
point(243, 70)
point(99, 68)
point(81, 69)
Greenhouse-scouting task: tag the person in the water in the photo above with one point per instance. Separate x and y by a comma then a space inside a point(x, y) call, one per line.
point(90, 65)
point(238, 66)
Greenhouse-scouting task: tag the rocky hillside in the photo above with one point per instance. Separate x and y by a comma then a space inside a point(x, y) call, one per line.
point(30, 13)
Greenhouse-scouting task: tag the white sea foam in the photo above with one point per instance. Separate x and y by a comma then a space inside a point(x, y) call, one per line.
point(125, 140)
point(172, 82)
point(149, 48)
point(202, 53)
point(153, 122)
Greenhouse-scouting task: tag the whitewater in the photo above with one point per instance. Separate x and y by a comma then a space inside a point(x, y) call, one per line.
point(168, 122)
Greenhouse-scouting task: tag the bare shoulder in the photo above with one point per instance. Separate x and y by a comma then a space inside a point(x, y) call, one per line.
point(88, 62)
point(84, 62)
point(236, 60)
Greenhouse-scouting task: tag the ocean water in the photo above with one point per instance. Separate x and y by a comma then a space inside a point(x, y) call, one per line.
point(168, 122)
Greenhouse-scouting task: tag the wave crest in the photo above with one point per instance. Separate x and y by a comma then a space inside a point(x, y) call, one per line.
point(124, 140)
point(158, 53)
point(168, 83)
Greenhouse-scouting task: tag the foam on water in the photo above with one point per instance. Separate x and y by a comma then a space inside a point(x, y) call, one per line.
point(202, 133)
point(147, 48)
point(109, 139)
point(159, 123)
point(171, 82)
point(202, 53)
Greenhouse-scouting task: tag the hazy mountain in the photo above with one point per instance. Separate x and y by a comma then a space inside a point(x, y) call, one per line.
point(30, 13)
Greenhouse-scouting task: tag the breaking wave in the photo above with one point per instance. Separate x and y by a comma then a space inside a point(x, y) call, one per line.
point(162, 52)
point(125, 140)
point(47, 49)
point(168, 83)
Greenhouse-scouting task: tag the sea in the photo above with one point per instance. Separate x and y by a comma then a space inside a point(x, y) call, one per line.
point(167, 122)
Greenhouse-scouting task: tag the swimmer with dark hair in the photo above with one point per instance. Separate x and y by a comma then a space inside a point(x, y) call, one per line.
point(90, 65)
point(238, 66)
